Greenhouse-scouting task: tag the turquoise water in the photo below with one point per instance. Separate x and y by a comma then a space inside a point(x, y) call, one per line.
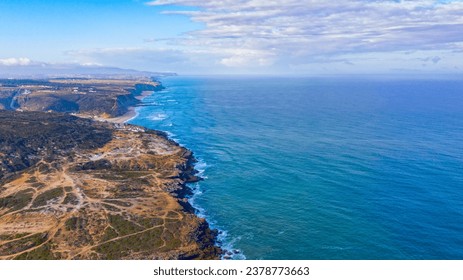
point(300, 168)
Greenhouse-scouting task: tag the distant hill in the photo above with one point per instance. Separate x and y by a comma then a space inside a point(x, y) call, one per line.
point(46, 71)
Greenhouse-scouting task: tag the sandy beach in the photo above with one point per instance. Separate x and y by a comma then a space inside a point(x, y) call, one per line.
point(132, 113)
point(124, 118)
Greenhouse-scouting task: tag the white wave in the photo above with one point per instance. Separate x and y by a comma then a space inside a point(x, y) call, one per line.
point(136, 115)
point(158, 117)
point(223, 241)
point(152, 104)
point(201, 166)
point(170, 134)
point(229, 248)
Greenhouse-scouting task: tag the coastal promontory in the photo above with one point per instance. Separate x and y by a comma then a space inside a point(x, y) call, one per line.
point(76, 188)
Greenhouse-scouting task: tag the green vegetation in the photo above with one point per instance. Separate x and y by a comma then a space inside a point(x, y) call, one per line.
point(171, 242)
point(109, 234)
point(119, 203)
point(41, 253)
point(71, 223)
point(135, 174)
point(22, 244)
point(149, 222)
point(122, 225)
point(17, 201)
point(43, 198)
point(172, 226)
point(38, 185)
point(110, 207)
point(32, 179)
point(129, 191)
point(71, 199)
point(5, 237)
point(27, 136)
point(122, 248)
point(172, 215)
point(109, 176)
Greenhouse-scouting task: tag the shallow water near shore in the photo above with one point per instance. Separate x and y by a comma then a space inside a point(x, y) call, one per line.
point(300, 168)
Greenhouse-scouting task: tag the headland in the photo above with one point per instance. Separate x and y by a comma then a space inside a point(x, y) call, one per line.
point(78, 183)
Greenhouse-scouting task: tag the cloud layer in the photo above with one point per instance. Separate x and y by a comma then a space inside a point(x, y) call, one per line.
point(274, 32)
point(12, 61)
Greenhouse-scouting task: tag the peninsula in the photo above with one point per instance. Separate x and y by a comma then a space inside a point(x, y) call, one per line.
point(83, 188)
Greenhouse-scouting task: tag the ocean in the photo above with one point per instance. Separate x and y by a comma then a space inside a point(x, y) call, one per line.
point(322, 168)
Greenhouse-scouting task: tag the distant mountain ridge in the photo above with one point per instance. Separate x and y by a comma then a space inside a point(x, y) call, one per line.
point(46, 71)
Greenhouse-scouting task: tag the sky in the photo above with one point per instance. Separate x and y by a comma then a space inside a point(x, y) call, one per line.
point(274, 37)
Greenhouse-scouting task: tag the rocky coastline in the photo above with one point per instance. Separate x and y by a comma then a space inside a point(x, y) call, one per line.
point(87, 189)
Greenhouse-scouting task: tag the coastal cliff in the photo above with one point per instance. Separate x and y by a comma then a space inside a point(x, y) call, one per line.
point(73, 188)
point(94, 97)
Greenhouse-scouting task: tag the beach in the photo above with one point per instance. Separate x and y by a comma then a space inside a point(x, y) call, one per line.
point(131, 110)
point(124, 118)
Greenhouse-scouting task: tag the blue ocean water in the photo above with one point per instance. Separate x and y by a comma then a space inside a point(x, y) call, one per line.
point(327, 168)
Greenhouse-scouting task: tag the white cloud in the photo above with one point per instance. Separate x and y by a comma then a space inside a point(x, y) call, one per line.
point(245, 57)
point(90, 64)
point(21, 61)
point(263, 32)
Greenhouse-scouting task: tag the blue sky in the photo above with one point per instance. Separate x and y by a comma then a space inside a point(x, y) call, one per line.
point(308, 37)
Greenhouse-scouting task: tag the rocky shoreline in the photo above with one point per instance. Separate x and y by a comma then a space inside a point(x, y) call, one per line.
point(206, 235)
point(102, 190)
